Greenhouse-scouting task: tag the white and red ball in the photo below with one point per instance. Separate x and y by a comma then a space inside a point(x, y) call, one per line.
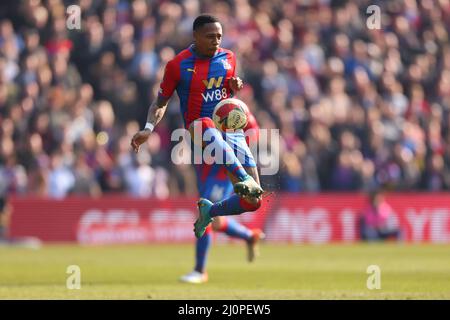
point(230, 114)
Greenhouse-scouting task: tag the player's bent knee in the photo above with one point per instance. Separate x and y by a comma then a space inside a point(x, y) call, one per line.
point(198, 127)
point(251, 204)
point(202, 124)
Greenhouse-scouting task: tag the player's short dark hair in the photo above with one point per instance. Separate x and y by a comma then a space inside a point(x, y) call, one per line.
point(203, 19)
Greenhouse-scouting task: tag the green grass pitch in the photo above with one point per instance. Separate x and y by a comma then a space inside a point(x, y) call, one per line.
point(281, 272)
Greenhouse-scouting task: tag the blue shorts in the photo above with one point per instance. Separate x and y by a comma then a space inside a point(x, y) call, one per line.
point(213, 182)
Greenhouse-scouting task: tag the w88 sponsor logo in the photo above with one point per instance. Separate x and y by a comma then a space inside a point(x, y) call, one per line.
point(215, 95)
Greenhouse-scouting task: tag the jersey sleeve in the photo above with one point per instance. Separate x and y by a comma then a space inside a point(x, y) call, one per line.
point(170, 79)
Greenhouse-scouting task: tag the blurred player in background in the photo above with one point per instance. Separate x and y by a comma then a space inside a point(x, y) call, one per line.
point(5, 213)
point(5, 221)
point(375, 224)
point(203, 75)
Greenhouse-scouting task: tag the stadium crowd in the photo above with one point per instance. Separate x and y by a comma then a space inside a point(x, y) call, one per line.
point(356, 108)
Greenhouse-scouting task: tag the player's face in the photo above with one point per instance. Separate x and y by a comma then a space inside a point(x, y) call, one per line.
point(208, 38)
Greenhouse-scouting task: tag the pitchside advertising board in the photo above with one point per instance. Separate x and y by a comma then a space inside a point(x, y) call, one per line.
point(318, 218)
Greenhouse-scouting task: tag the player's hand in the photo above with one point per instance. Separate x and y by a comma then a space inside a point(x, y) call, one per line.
point(236, 84)
point(139, 138)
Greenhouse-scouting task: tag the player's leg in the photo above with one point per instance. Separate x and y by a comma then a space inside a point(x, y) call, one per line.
point(205, 128)
point(213, 186)
point(232, 228)
point(233, 205)
point(218, 186)
point(224, 224)
point(202, 246)
point(237, 203)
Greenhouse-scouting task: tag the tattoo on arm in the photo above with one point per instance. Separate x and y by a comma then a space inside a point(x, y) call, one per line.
point(157, 110)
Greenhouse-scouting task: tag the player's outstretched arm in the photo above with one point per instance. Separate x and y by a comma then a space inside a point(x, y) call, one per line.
point(154, 116)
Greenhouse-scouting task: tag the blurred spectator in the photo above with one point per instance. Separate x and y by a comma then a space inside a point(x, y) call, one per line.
point(377, 220)
point(60, 178)
point(144, 181)
point(84, 179)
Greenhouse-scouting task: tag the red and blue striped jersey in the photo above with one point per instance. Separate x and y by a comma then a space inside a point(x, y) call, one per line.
point(200, 82)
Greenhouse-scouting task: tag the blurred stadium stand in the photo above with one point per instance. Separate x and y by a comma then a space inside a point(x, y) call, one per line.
point(357, 108)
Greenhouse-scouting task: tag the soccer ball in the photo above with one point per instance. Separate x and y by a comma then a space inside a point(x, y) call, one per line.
point(230, 114)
